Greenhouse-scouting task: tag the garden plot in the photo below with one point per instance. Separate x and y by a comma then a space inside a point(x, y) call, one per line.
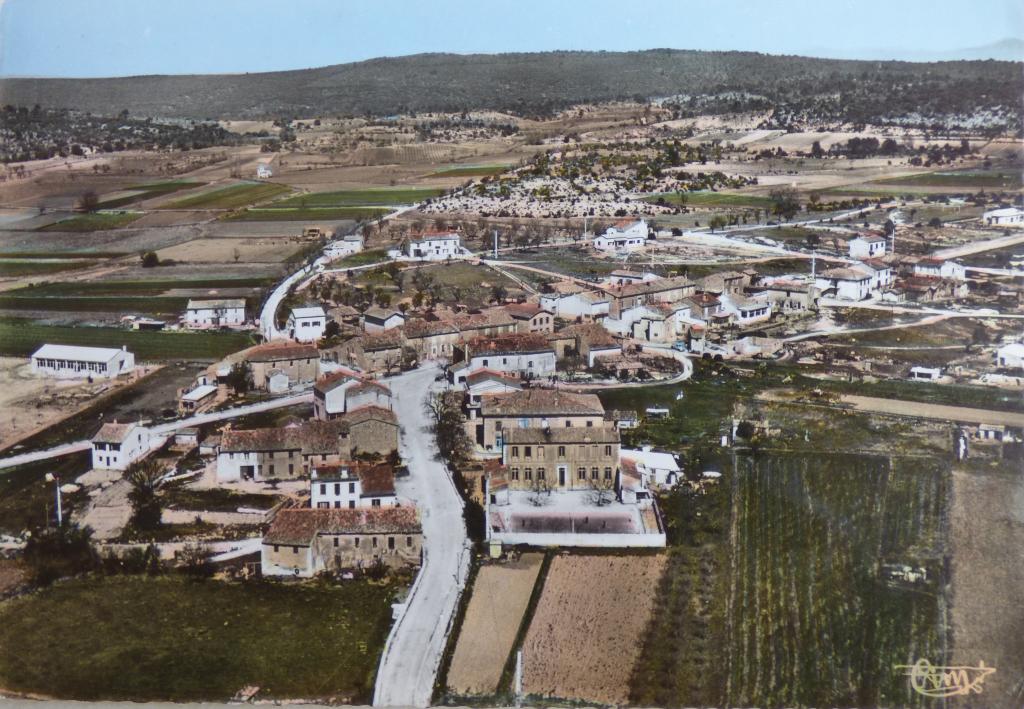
point(500, 596)
point(587, 631)
point(264, 249)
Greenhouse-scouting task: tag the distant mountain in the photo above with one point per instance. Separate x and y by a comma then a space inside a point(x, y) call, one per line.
point(538, 83)
point(1008, 50)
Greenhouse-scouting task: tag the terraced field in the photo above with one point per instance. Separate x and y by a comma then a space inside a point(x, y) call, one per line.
point(97, 221)
point(239, 195)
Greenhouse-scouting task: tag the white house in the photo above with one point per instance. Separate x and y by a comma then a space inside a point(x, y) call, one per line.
point(849, 283)
point(263, 171)
point(74, 361)
point(624, 236)
point(341, 392)
point(656, 467)
point(526, 356)
point(378, 319)
point(587, 305)
point(117, 445)
point(434, 246)
point(940, 268)
point(624, 277)
point(307, 324)
point(863, 247)
point(345, 246)
point(346, 487)
point(881, 273)
point(747, 311)
point(925, 374)
point(1007, 216)
point(1010, 356)
point(215, 313)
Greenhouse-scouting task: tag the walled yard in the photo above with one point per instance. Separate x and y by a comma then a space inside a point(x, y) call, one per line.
point(586, 634)
point(501, 594)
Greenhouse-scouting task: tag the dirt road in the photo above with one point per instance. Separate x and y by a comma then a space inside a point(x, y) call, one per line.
point(960, 414)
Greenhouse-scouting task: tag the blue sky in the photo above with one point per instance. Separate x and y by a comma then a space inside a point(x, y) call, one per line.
point(131, 37)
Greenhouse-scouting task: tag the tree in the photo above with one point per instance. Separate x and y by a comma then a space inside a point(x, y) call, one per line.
point(195, 561)
point(89, 201)
point(147, 507)
point(499, 293)
point(333, 329)
point(784, 202)
point(240, 376)
point(602, 491)
point(57, 552)
point(745, 430)
point(150, 259)
point(816, 150)
point(935, 222)
point(717, 222)
point(540, 492)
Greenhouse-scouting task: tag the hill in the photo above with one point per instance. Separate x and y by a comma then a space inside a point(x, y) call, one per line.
point(538, 83)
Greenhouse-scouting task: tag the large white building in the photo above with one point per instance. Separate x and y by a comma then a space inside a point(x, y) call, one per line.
point(348, 487)
point(74, 361)
point(434, 246)
point(1007, 216)
point(307, 324)
point(117, 445)
point(854, 283)
point(863, 247)
point(624, 236)
point(215, 313)
point(1011, 356)
point(345, 246)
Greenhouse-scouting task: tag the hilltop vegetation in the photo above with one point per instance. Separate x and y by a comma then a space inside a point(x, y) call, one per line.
point(796, 88)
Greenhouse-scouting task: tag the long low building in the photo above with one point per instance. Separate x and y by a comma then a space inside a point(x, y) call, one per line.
point(73, 361)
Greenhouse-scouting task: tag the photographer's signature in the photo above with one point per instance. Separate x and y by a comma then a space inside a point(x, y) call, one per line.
point(945, 681)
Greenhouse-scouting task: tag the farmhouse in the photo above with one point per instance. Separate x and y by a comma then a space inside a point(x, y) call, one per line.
point(264, 171)
point(526, 356)
point(939, 268)
point(380, 352)
point(305, 541)
point(117, 445)
point(1006, 216)
point(863, 247)
point(624, 236)
point(789, 296)
point(299, 363)
point(533, 408)
point(222, 312)
point(852, 283)
point(587, 340)
point(434, 246)
point(74, 361)
point(280, 453)
point(1010, 356)
point(345, 246)
point(561, 458)
point(378, 319)
point(306, 324)
point(352, 486)
point(665, 290)
point(530, 317)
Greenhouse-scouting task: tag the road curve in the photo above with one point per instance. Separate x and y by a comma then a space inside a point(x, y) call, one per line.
point(412, 654)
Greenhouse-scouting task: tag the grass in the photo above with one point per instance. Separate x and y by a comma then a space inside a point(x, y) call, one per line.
point(154, 189)
point(1009, 180)
point(711, 199)
point(359, 214)
point(362, 258)
point(25, 267)
point(97, 221)
point(21, 338)
point(165, 638)
point(216, 499)
point(359, 198)
point(135, 288)
point(27, 500)
point(239, 195)
point(61, 254)
point(114, 304)
point(470, 171)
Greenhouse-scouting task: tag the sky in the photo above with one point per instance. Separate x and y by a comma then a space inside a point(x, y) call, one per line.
point(88, 38)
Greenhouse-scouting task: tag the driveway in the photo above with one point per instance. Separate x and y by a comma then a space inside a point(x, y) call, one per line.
point(411, 657)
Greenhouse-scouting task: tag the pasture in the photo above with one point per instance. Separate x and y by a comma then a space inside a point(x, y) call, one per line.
point(96, 221)
point(231, 197)
point(376, 196)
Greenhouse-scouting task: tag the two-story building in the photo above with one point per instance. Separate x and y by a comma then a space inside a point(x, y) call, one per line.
point(561, 459)
point(217, 312)
point(528, 356)
point(299, 363)
point(117, 445)
point(530, 317)
point(940, 268)
point(341, 392)
point(352, 486)
point(852, 283)
point(345, 246)
point(623, 236)
point(434, 246)
point(665, 290)
point(576, 304)
point(864, 247)
point(306, 324)
point(533, 408)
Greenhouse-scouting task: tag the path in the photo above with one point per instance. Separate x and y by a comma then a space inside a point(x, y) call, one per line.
point(411, 657)
point(977, 247)
point(942, 412)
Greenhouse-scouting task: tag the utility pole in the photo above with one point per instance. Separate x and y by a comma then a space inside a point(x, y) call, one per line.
point(495, 243)
point(814, 265)
point(51, 478)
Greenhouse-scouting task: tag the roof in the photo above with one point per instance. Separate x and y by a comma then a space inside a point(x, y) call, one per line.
point(1004, 212)
point(77, 352)
point(368, 413)
point(524, 311)
point(367, 385)
point(649, 287)
point(512, 343)
point(376, 480)
point(484, 374)
point(381, 314)
point(429, 328)
point(310, 437)
point(446, 235)
point(1015, 348)
point(113, 432)
point(300, 525)
point(216, 303)
point(846, 274)
point(654, 460)
point(200, 392)
point(703, 300)
point(309, 311)
point(595, 335)
point(492, 317)
point(871, 239)
point(332, 381)
point(562, 434)
point(541, 402)
point(275, 352)
point(389, 339)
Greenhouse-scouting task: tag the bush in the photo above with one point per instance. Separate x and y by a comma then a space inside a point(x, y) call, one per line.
point(195, 561)
point(57, 552)
point(150, 259)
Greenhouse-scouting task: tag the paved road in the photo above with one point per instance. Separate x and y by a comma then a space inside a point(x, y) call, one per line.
point(977, 247)
point(411, 657)
point(960, 414)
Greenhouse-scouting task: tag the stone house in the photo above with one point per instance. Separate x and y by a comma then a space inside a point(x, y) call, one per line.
point(301, 363)
point(533, 408)
point(561, 458)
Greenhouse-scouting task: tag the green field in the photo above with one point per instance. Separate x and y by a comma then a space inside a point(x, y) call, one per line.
point(97, 221)
point(712, 199)
point(359, 214)
point(165, 638)
point(136, 288)
point(154, 189)
point(21, 338)
point(239, 195)
point(360, 198)
point(149, 305)
point(1008, 180)
point(24, 267)
point(470, 171)
point(27, 501)
point(362, 258)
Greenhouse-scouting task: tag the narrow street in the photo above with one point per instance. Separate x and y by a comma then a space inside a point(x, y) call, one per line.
point(411, 657)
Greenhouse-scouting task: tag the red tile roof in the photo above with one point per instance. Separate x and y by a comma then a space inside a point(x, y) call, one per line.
point(298, 526)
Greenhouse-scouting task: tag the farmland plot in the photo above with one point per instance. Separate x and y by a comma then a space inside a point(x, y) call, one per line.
point(585, 636)
point(495, 612)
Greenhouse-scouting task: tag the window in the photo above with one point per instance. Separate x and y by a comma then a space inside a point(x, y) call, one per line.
point(607, 473)
point(351, 488)
point(276, 548)
point(528, 473)
point(593, 473)
point(335, 541)
point(391, 543)
point(608, 450)
point(356, 542)
point(408, 541)
point(515, 473)
point(375, 502)
point(515, 451)
point(485, 362)
point(291, 455)
point(561, 451)
point(581, 473)
point(568, 424)
point(271, 468)
point(337, 504)
point(295, 550)
point(374, 542)
point(527, 451)
point(323, 505)
point(540, 473)
point(323, 488)
point(351, 504)
point(590, 424)
point(497, 425)
point(291, 468)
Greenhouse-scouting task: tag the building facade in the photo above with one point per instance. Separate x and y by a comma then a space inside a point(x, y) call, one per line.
point(224, 312)
point(76, 362)
point(560, 459)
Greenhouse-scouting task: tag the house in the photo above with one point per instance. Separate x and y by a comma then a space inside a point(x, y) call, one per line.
point(657, 468)
point(990, 432)
point(1010, 356)
point(222, 312)
point(925, 374)
point(630, 487)
point(484, 382)
point(379, 352)
point(530, 317)
point(864, 247)
point(726, 282)
point(852, 283)
point(342, 392)
point(576, 305)
point(1005, 216)
point(928, 289)
point(117, 445)
point(263, 171)
point(188, 437)
point(345, 246)
point(882, 275)
point(352, 486)
point(434, 246)
point(623, 236)
point(789, 295)
point(287, 452)
point(305, 541)
point(940, 268)
point(432, 339)
point(533, 408)
point(527, 356)
point(587, 340)
point(378, 319)
point(560, 459)
point(747, 311)
point(197, 399)
point(664, 290)
point(74, 361)
point(622, 277)
point(306, 324)
point(300, 364)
